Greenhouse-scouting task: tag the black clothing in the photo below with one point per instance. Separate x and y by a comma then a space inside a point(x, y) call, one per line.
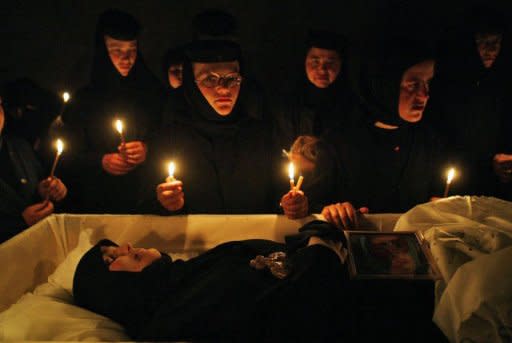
point(309, 110)
point(19, 177)
point(220, 296)
point(224, 162)
point(137, 99)
point(225, 165)
point(470, 110)
point(387, 170)
point(30, 110)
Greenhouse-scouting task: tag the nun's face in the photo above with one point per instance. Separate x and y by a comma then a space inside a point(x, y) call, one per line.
point(175, 75)
point(414, 91)
point(322, 66)
point(219, 83)
point(489, 47)
point(127, 258)
point(122, 54)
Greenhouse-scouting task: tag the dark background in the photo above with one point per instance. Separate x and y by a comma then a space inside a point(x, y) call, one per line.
point(51, 41)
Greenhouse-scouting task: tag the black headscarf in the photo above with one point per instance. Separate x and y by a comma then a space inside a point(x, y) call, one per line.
point(381, 82)
point(104, 75)
point(330, 41)
point(129, 298)
point(202, 114)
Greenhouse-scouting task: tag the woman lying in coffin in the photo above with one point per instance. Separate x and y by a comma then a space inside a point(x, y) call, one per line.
point(251, 290)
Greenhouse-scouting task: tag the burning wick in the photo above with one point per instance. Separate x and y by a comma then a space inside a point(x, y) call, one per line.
point(119, 128)
point(65, 97)
point(60, 148)
point(449, 177)
point(291, 174)
point(171, 168)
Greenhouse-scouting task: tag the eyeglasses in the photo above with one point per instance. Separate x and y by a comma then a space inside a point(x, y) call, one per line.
point(227, 81)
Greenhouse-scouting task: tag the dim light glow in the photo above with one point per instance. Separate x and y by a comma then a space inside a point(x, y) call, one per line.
point(171, 169)
point(66, 96)
point(450, 175)
point(119, 126)
point(60, 146)
point(291, 171)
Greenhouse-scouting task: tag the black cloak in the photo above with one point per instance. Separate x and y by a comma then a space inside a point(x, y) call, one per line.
point(89, 131)
point(223, 161)
point(387, 170)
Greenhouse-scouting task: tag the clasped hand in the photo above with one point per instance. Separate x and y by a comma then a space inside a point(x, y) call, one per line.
point(170, 195)
point(295, 204)
point(52, 188)
point(130, 155)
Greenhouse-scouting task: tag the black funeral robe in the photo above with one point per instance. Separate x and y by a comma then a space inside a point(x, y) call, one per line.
point(225, 165)
point(90, 133)
point(470, 109)
point(387, 170)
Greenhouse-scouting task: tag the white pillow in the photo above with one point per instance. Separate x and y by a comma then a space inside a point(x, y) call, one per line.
point(63, 274)
point(46, 315)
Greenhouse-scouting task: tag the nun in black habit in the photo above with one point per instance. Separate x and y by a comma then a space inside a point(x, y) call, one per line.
point(252, 290)
point(388, 161)
point(322, 98)
point(103, 172)
point(217, 136)
point(470, 100)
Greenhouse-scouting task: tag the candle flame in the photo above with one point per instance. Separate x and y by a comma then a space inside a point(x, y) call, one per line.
point(172, 168)
point(450, 175)
point(66, 96)
point(119, 126)
point(60, 146)
point(291, 171)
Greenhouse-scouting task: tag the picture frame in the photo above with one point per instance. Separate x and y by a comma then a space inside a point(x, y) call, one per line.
point(390, 255)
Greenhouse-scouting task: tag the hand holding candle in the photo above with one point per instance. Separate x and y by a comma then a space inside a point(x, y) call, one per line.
point(449, 178)
point(52, 186)
point(170, 194)
point(294, 203)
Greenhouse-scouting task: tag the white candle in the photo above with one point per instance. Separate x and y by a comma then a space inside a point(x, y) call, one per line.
point(119, 128)
point(291, 174)
point(60, 147)
point(449, 177)
point(171, 168)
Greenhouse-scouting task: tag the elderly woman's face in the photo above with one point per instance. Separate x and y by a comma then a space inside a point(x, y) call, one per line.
point(127, 258)
point(414, 91)
point(219, 83)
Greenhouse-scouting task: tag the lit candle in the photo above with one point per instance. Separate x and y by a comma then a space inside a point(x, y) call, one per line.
point(65, 99)
point(299, 183)
point(291, 174)
point(60, 147)
point(171, 168)
point(119, 128)
point(449, 177)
